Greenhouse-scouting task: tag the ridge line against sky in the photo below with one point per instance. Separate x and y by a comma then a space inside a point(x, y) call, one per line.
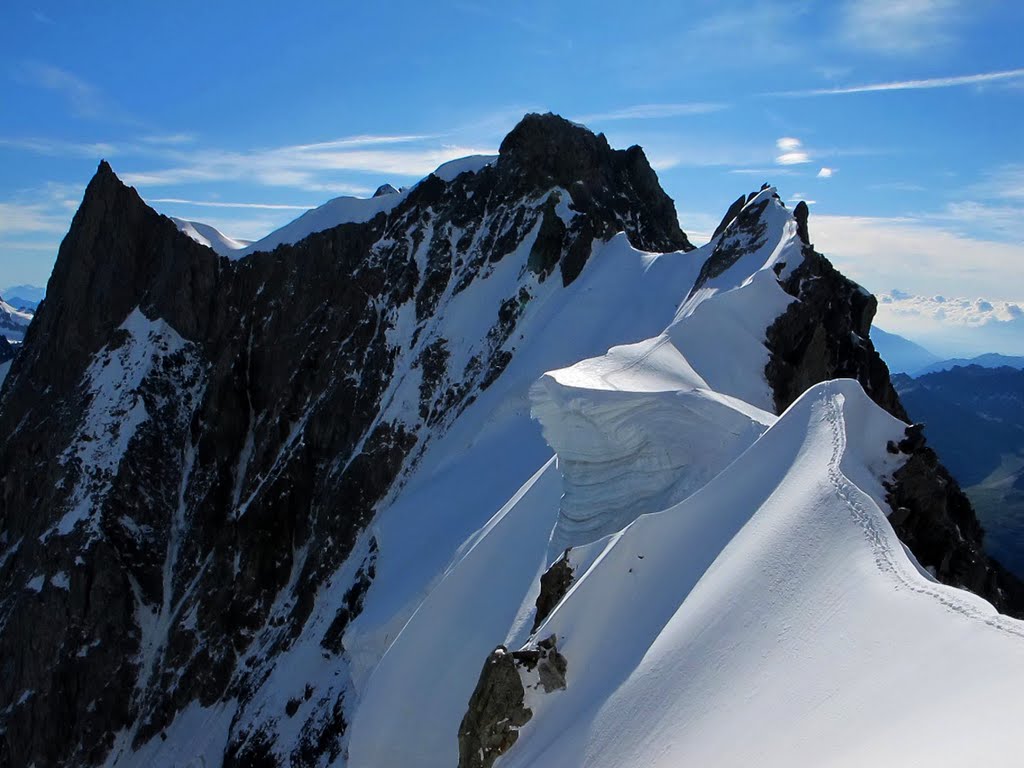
point(722, 96)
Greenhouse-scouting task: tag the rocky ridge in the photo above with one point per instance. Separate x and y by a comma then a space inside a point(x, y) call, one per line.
point(180, 568)
point(174, 557)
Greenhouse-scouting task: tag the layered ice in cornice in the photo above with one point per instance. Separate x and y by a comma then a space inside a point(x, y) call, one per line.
point(645, 425)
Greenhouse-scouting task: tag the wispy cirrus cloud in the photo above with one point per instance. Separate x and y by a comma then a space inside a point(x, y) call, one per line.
point(909, 85)
point(171, 139)
point(221, 204)
point(653, 111)
point(17, 218)
point(84, 99)
point(60, 148)
point(311, 167)
point(766, 172)
point(994, 204)
point(1005, 182)
point(900, 27)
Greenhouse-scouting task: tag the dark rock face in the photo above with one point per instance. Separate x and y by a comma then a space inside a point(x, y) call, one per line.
point(552, 152)
point(935, 519)
point(496, 712)
point(496, 709)
point(181, 429)
point(385, 189)
point(974, 419)
point(7, 350)
point(823, 335)
point(554, 585)
point(744, 231)
point(730, 215)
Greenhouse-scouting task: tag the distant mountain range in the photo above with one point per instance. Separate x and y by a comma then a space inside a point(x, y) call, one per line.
point(974, 418)
point(900, 354)
point(24, 296)
point(989, 360)
point(905, 356)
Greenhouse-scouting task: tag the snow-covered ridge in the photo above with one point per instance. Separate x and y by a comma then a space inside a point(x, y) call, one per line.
point(777, 595)
point(636, 429)
point(13, 321)
point(660, 451)
point(339, 210)
point(211, 237)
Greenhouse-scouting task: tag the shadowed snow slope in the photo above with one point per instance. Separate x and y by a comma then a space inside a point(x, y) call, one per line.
point(774, 618)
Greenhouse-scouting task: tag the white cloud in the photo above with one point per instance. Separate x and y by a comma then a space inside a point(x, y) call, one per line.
point(826, 173)
point(910, 85)
point(791, 152)
point(899, 27)
point(653, 112)
point(950, 310)
point(793, 158)
point(926, 259)
point(954, 326)
point(766, 172)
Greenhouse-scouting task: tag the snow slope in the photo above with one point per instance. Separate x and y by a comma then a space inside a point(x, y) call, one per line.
point(775, 619)
point(211, 237)
point(772, 595)
point(340, 210)
point(13, 321)
point(640, 427)
point(349, 210)
point(472, 471)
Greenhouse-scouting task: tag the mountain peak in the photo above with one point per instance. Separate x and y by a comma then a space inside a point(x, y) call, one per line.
point(385, 189)
point(548, 150)
point(553, 146)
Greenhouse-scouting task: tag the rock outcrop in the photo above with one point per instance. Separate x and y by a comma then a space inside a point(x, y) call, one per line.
point(7, 350)
point(497, 708)
point(554, 584)
point(935, 519)
point(825, 334)
point(163, 541)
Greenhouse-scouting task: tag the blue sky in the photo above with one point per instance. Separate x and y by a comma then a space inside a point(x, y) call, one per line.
point(899, 119)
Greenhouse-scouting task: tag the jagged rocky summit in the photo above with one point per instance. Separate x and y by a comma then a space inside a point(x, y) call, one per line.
point(277, 509)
